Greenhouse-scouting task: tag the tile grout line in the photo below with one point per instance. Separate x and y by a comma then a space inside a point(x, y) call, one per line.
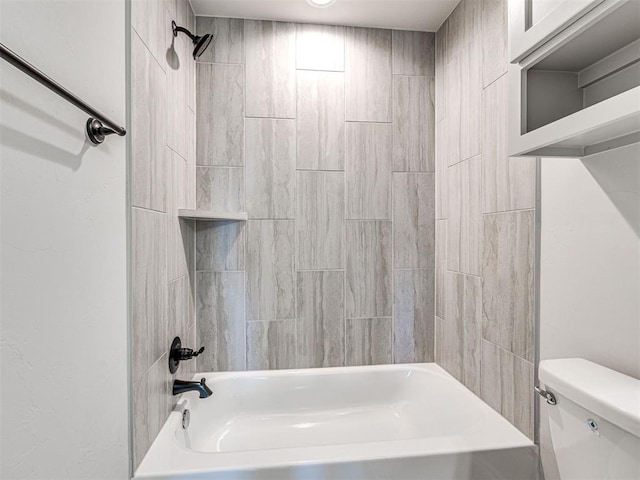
point(507, 212)
point(506, 351)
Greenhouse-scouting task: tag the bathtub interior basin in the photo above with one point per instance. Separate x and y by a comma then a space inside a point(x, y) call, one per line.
point(323, 407)
point(257, 421)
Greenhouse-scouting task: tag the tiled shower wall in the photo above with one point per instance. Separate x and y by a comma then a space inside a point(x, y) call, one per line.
point(325, 136)
point(162, 136)
point(485, 210)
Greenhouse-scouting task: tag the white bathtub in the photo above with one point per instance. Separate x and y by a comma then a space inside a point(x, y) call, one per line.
point(380, 422)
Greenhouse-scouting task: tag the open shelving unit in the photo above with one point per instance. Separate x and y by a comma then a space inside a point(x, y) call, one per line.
point(212, 216)
point(579, 94)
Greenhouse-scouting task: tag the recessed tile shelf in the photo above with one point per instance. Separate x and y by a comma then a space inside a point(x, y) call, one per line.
point(210, 215)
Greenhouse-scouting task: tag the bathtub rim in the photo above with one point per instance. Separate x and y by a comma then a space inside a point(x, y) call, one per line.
point(161, 459)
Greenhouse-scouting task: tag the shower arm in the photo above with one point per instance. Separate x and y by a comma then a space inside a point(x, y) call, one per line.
point(177, 29)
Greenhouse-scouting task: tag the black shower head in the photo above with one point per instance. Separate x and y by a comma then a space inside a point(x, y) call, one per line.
point(201, 45)
point(201, 42)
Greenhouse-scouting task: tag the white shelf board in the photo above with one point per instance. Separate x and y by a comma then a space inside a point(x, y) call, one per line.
point(211, 215)
point(611, 123)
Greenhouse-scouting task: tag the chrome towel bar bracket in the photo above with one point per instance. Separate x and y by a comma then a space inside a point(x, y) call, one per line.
point(97, 127)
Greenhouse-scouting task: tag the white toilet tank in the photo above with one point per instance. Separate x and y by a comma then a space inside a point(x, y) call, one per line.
point(595, 425)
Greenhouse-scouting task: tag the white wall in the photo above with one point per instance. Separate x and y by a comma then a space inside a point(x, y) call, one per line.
point(590, 259)
point(63, 229)
point(590, 266)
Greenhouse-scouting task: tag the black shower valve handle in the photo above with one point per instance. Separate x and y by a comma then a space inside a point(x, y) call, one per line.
point(178, 354)
point(187, 353)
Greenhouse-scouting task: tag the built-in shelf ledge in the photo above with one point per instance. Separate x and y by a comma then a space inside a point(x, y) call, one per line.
point(612, 123)
point(211, 215)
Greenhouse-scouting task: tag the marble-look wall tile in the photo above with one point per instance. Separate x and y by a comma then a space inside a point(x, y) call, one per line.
point(442, 170)
point(320, 122)
point(437, 347)
point(179, 67)
point(320, 324)
point(473, 21)
point(270, 168)
point(271, 345)
point(162, 135)
point(507, 386)
point(305, 272)
point(368, 341)
point(368, 74)
point(476, 264)
point(368, 171)
point(368, 269)
point(149, 285)
point(463, 80)
point(142, 437)
point(494, 40)
point(190, 184)
point(413, 124)
point(507, 183)
point(150, 155)
point(151, 405)
point(270, 69)
point(320, 47)
point(180, 232)
point(458, 336)
point(471, 98)
point(181, 309)
point(220, 189)
point(413, 316)
point(413, 53)
point(413, 220)
point(440, 69)
point(220, 122)
point(452, 124)
point(464, 27)
point(191, 66)
point(270, 270)
point(190, 135)
point(221, 321)
point(465, 218)
point(151, 22)
point(508, 276)
point(179, 123)
point(449, 347)
point(464, 313)
point(191, 17)
point(455, 38)
point(182, 321)
point(227, 45)
point(220, 245)
point(172, 7)
point(320, 220)
point(441, 267)
point(191, 338)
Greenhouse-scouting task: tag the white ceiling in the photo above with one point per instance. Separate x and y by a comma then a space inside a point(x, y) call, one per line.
point(425, 15)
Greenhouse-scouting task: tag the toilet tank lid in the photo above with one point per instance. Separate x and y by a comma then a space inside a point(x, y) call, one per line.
point(611, 395)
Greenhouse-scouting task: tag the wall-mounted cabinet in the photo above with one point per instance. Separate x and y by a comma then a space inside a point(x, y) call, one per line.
point(533, 22)
point(579, 92)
